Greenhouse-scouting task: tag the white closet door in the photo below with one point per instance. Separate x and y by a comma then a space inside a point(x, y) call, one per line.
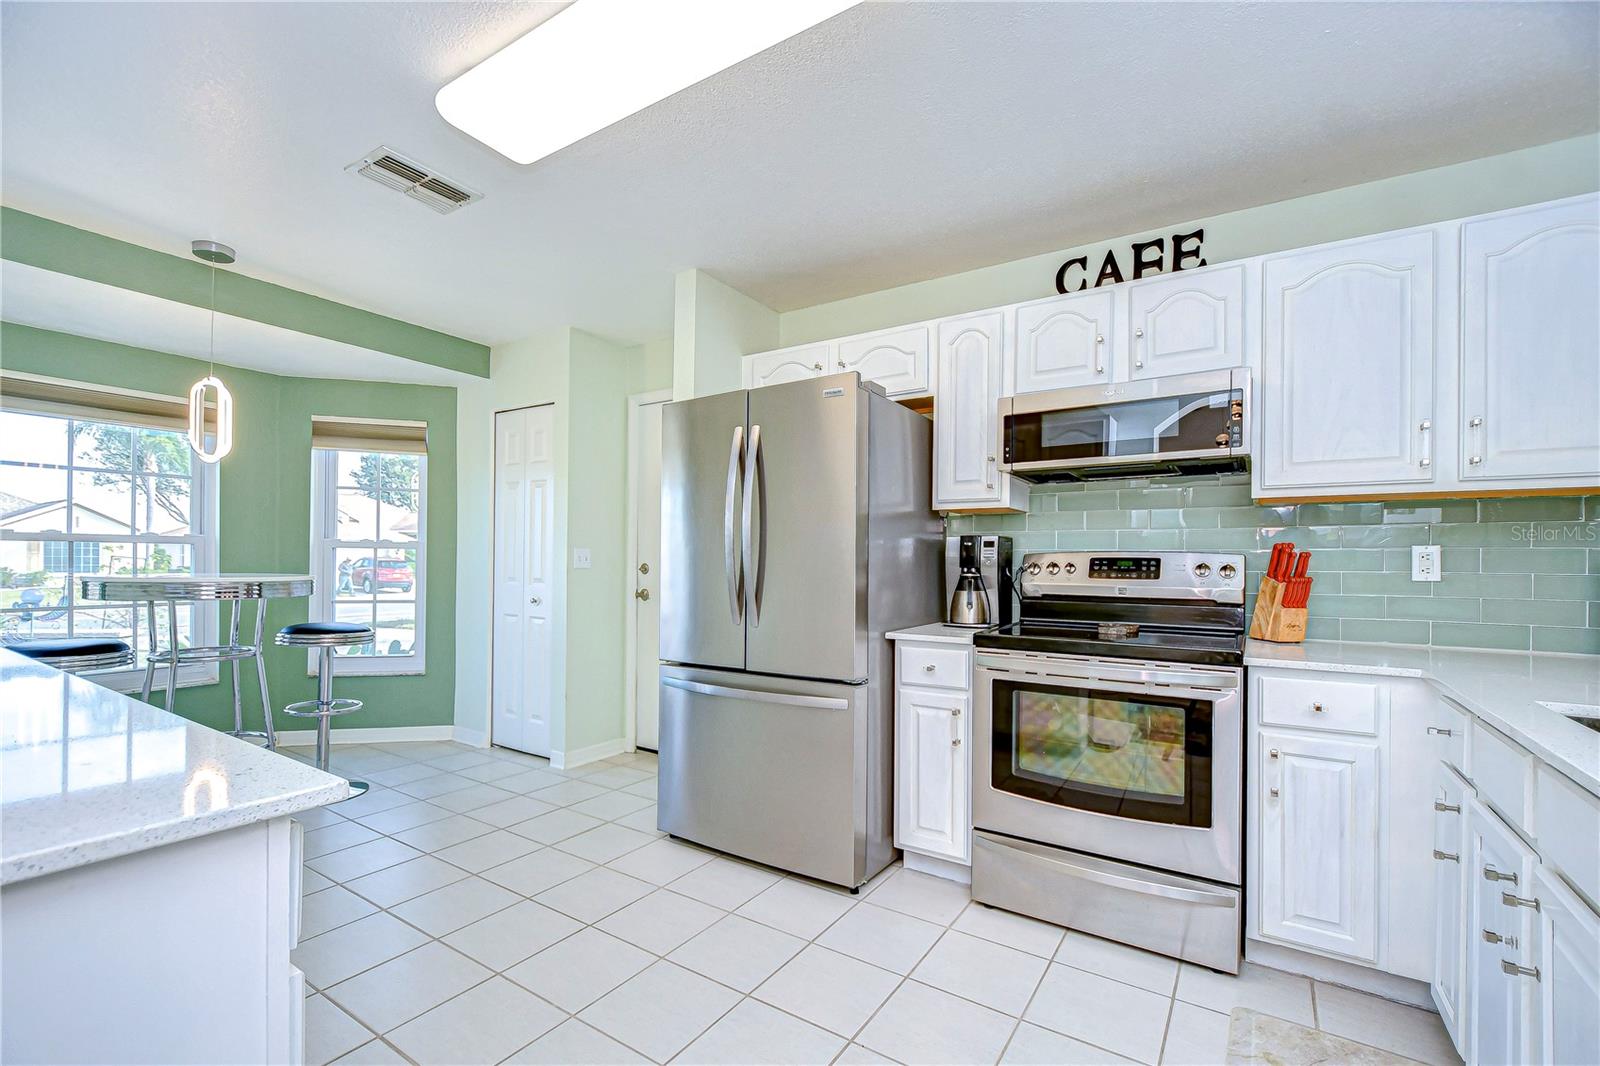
point(524, 578)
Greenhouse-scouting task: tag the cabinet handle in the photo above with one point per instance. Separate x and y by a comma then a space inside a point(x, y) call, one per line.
point(1317, 707)
point(1138, 333)
point(817, 367)
point(955, 712)
point(1427, 450)
point(1477, 424)
point(956, 743)
point(1446, 808)
point(1491, 874)
point(1496, 938)
point(1434, 730)
point(1272, 753)
point(1445, 856)
point(928, 669)
point(534, 600)
point(841, 364)
point(1474, 460)
point(1272, 791)
point(1519, 971)
point(1512, 900)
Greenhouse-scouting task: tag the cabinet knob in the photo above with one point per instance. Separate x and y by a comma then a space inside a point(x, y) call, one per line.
point(955, 712)
point(642, 594)
point(817, 367)
point(1475, 460)
point(1425, 462)
point(534, 600)
point(928, 669)
point(1317, 707)
point(1138, 333)
point(1426, 424)
point(1138, 364)
point(1273, 791)
point(1475, 423)
point(1273, 753)
point(1519, 971)
point(841, 364)
point(956, 743)
point(1099, 339)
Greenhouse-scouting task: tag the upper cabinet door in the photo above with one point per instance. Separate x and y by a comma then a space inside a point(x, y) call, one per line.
point(897, 359)
point(787, 364)
point(1064, 341)
point(966, 473)
point(1186, 322)
point(1530, 354)
point(1347, 364)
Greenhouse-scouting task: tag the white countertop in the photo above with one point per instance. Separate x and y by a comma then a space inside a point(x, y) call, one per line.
point(937, 632)
point(88, 774)
point(1501, 687)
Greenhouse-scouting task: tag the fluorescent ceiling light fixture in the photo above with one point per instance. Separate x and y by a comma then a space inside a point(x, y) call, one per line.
point(599, 61)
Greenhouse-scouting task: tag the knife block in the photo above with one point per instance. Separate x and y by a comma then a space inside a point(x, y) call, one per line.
point(1272, 620)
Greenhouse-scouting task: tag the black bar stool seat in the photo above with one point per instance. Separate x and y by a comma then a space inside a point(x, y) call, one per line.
point(76, 655)
point(325, 637)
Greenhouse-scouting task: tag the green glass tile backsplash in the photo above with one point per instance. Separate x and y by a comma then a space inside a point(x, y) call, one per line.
point(1519, 574)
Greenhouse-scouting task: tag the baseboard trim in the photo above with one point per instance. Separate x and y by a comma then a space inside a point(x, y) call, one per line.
point(1405, 990)
point(372, 735)
point(476, 738)
point(930, 864)
point(568, 760)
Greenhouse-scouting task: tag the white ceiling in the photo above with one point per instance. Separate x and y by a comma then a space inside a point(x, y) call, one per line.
point(896, 142)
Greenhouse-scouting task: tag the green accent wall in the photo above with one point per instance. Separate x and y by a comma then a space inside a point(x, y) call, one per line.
point(1518, 574)
point(264, 508)
point(51, 245)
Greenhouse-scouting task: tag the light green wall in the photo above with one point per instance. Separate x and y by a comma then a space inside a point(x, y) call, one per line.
point(1547, 172)
point(714, 326)
point(51, 245)
point(264, 507)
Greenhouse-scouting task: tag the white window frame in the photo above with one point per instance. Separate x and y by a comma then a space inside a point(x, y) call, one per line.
point(203, 524)
point(324, 545)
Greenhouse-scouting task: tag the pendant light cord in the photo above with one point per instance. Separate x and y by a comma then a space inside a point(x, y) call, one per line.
point(213, 320)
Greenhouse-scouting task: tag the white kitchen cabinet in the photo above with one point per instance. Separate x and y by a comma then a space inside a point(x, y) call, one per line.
point(1347, 366)
point(1065, 341)
point(897, 359)
point(1451, 855)
point(1186, 322)
point(1319, 843)
point(932, 781)
point(1566, 1028)
point(787, 364)
point(966, 470)
point(1498, 937)
point(1530, 343)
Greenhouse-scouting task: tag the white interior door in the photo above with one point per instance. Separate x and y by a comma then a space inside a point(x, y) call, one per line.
point(646, 446)
point(524, 586)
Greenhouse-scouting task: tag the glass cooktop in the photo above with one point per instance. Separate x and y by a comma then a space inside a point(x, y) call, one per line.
point(1104, 640)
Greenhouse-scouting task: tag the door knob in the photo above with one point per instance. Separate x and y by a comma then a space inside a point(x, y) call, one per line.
point(644, 568)
point(534, 600)
point(642, 594)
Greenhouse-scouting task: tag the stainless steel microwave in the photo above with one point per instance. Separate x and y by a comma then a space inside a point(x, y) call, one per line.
point(1186, 423)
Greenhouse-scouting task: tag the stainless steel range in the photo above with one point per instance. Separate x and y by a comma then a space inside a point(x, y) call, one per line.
point(1108, 766)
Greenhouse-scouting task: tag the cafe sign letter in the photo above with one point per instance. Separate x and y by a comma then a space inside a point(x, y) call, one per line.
point(1147, 257)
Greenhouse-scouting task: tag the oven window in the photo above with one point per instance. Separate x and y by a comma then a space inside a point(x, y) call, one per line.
point(1132, 755)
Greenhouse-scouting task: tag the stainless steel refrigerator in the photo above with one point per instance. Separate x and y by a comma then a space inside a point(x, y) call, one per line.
point(796, 530)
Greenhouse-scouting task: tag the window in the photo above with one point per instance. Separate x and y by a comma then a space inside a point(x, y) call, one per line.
point(93, 495)
point(369, 550)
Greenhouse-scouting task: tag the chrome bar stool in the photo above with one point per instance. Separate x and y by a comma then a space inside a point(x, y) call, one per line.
point(325, 636)
point(75, 655)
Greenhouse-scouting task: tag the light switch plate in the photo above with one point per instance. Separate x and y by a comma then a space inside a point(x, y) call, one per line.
point(580, 559)
point(1425, 562)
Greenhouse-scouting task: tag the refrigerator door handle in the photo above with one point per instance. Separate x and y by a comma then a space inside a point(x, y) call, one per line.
point(732, 561)
point(792, 699)
point(755, 564)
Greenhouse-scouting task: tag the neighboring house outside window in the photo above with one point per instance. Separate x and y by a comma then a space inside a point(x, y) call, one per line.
point(82, 496)
point(368, 553)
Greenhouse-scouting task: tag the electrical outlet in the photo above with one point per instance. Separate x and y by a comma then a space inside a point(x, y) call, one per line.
point(580, 559)
point(1425, 562)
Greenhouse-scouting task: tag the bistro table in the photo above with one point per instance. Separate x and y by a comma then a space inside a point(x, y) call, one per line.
point(173, 589)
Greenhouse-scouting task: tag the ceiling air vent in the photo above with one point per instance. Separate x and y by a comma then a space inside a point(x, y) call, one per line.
point(395, 171)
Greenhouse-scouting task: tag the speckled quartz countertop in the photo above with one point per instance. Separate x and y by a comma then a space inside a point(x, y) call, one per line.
point(88, 774)
point(938, 632)
point(1503, 688)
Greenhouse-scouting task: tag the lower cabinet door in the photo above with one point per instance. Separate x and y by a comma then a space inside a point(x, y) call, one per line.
point(932, 775)
point(1319, 843)
point(1451, 912)
point(1501, 966)
point(1568, 1025)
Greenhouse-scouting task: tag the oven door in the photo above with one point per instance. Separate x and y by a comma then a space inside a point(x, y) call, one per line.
point(1135, 761)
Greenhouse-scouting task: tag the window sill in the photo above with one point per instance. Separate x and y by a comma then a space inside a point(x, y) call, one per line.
point(340, 669)
point(130, 682)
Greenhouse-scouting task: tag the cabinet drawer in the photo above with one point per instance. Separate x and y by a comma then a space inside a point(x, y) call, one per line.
point(1503, 773)
point(940, 667)
point(1447, 734)
point(1315, 703)
point(1571, 840)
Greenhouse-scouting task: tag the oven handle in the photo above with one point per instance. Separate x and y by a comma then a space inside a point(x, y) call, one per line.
point(1102, 672)
point(1059, 862)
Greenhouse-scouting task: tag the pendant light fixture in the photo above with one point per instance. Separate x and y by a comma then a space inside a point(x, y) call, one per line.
point(213, 253)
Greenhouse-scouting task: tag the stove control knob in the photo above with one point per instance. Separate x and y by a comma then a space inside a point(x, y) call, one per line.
point(1071, 568)
point(1227, 571)
point(1202, 569)
point(1053, 569)
point(1033, 568)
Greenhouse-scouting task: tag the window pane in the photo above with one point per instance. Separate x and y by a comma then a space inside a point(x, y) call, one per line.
point(26, 581)
point(162, 451)
point(35, 439)
point(33, 499)
point(398, 516)
point(102, 444)
point(347, 464)
point(400, 473)
point(359, 613)
point(114, 622)
point(390, 573)
point(102, 503)
point(163, 506)
point(396, 628)
point(174, 558)
point(105, 557)
point(33, 623)
point(346, 561)
point(358, 516)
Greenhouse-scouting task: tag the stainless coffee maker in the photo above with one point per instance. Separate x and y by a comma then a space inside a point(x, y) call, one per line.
point(977, 576)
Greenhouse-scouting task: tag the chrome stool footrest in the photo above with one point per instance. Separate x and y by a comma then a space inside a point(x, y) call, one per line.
point(319, 708)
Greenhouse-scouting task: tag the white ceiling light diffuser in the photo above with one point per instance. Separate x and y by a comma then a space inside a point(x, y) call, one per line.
point(599, 61)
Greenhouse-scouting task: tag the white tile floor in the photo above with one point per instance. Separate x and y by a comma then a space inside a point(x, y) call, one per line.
point(479, 907)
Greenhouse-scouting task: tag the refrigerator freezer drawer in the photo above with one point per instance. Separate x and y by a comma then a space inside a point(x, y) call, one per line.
point(768, 769)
